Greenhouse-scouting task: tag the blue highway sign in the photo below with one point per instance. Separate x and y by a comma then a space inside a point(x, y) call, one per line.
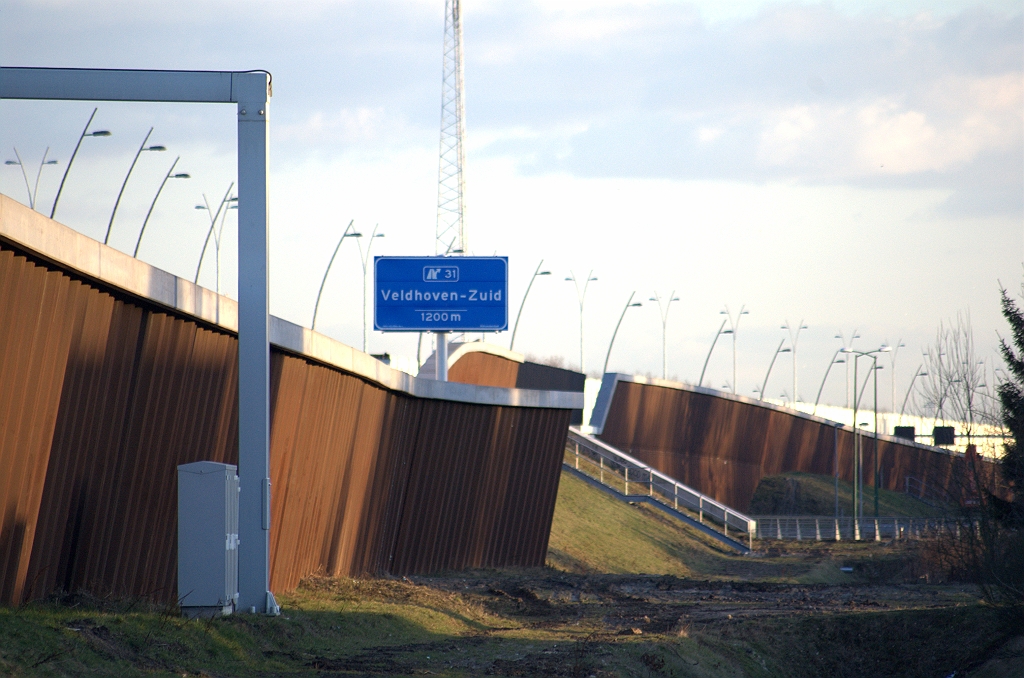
point(440, 294)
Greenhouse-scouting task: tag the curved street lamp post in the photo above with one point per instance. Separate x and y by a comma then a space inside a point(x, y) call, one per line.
point(720, 332)
point(32, 194)
point(771, 365)
point(538, 272)
point(823, 379)
point(169, 175)
point(842, 349)
point(858, 480)
point(892, 376)
point(734, 325)
point(629, 305)
point(117, 202)
point(214, 232)
point(918, 373)
point(346, 234)
point(85, 133)
point(365, 260)
point(794, 337)
point(664, 329)
point(581, 296)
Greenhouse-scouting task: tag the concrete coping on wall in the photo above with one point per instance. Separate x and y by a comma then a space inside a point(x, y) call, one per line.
point(611, 379)
point(63, 246)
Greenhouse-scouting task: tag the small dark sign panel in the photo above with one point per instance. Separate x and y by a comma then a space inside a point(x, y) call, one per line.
point(944, 435)
point(440, 294)
point(904, 432)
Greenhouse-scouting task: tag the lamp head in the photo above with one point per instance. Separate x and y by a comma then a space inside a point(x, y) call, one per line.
point(674, 299)
point(155, 148)
point(785, 350)
point(50, 162)
point(379, 235)
point(200, 207)
point(181, 175)
point(544, 273)
point(635, 304)
point(99, 133)
point(355, 234)
point(11, 162)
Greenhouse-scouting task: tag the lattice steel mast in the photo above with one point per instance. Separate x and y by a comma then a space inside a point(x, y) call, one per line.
point(451, 229)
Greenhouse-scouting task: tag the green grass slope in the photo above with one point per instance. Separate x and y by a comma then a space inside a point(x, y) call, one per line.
point(594, 533)
point(806, 494)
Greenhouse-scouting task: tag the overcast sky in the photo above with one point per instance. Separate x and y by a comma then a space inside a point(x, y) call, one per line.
point(857, 165)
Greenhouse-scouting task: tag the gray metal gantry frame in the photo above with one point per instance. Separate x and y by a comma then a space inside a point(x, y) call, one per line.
point(251, 92)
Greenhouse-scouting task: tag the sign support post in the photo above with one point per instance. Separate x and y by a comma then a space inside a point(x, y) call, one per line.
point(250, 90)
point(441, 357)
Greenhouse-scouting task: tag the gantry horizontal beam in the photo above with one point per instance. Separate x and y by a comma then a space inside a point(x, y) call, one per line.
point(99, 84)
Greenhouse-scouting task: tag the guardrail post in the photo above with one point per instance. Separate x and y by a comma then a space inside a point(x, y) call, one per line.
point(878, 537)
point(778, 529)
point(856, 529)
point(650, 489)
point(798, 537)
point(577, 446)
point(675, 495)
point(626, 468)
point(700, 508)
point(817, 529)
point(601, 463)
point(838, 535)
point(725, 523)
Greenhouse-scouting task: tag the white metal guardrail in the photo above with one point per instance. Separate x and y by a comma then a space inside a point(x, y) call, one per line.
point(830, 528)
point(632, 477)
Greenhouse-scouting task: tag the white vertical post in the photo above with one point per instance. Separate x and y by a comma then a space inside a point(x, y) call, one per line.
point(253, 348)
point(441, 357)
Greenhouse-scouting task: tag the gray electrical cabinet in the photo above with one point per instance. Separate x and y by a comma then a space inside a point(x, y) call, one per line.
point(207, 538)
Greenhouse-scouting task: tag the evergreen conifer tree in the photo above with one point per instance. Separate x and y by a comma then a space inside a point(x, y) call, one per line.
point(1011, 395)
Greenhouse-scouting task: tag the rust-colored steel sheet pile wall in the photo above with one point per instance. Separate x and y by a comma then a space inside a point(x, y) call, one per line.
point(487, 369)
point(104, 395)
point(375, 481)
point(484, 369)
point(723, 447)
